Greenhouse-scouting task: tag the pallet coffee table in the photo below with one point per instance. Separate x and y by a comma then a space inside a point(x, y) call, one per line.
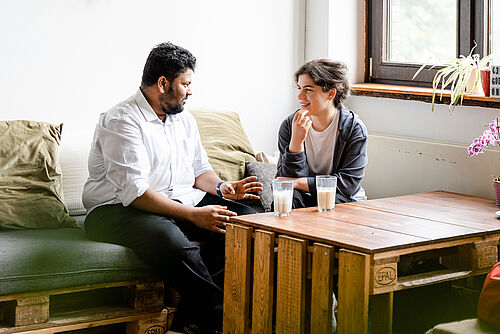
point(362, 243)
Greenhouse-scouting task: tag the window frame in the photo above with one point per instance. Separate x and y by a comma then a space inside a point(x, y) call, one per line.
point(471, 24)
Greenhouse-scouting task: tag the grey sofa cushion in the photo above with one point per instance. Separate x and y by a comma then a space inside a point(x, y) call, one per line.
point(265, 173)
point(45, 259)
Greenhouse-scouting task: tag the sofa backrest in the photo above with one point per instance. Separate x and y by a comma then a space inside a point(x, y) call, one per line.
point(73, 158)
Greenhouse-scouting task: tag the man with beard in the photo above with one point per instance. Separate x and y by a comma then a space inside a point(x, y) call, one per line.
point(152, 189)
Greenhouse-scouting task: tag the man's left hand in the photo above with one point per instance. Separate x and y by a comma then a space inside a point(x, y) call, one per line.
point(236, 190)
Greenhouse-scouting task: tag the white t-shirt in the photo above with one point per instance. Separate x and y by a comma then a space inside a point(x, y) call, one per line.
point(320, 147)
point(133, 150)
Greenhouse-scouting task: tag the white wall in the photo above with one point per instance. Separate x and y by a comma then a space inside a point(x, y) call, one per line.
point(69, 61)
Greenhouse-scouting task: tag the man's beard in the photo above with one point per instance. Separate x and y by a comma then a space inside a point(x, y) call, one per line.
point(172, 109)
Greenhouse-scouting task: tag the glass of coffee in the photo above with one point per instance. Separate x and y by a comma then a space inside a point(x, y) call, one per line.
point(283, 197)
point(326, 187)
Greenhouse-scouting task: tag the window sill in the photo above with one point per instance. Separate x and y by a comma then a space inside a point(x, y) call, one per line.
point(419, 94)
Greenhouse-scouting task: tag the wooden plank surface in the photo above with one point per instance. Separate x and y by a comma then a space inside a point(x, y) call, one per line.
point(394, 223)
point(320, 227)
point(263, 274)
point(321, 289)
point(354, 275)
point(454, 209)
point(237, 279)
point(291, 286)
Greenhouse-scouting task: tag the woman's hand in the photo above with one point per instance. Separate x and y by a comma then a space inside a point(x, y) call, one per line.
point(299, 183)
point(300, 126)
point(236, 190)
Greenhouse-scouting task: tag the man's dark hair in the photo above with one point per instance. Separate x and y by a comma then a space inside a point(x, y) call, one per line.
point(168, 60)
point(327, 74)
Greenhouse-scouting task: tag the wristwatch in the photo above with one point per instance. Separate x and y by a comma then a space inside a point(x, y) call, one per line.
point(217, 189)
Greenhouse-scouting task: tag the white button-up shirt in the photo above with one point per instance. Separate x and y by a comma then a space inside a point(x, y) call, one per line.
point(133, 150)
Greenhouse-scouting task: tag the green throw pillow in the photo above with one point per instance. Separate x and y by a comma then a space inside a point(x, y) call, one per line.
point(225, 141)
point(30, 176)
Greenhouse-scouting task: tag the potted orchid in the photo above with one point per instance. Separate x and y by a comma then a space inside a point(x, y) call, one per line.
point(491, 136)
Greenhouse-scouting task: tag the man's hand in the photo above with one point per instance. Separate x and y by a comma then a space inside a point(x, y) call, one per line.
point(210, 217)
point(300, 126)
point(236, 190)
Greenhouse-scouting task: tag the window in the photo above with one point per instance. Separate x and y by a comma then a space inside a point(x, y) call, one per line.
point(404, 34)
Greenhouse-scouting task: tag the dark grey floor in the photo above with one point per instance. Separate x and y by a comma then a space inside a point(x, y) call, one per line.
point(417, 310)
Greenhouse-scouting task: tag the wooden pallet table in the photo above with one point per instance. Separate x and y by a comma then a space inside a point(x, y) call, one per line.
point(279, 272)
point(139, 304)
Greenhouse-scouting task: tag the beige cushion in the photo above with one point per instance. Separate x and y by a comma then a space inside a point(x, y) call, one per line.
point(225, 141)
point(30, 176)
point(469, 326)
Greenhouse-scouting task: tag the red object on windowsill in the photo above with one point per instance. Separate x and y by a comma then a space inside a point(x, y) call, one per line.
point(485, 81)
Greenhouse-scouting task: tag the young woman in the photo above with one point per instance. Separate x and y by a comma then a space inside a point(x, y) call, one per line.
point(323, 137)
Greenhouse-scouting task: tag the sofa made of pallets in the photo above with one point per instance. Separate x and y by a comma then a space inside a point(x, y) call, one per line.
point(56, 280)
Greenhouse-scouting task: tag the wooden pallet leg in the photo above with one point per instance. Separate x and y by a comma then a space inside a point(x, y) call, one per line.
point(154, 325)
point(237, 279)
point(31, 310)
point(381, 313)
point(263, 273)
point(354, 274)
point(291, 290)
point(322, 289)
point(479, 256)
point(147, 296)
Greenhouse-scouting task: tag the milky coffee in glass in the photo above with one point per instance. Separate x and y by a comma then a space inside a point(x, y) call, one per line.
point(283, 197)
point(326, 187)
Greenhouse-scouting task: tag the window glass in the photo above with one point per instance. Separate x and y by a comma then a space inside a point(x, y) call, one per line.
point(418, 29)
point(495, 28)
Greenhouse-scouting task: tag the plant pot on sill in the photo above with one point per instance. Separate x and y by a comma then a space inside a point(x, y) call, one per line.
point(485, 81)
point(496, 183)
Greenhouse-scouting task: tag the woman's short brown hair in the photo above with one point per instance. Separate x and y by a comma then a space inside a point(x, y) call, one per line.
point(327, 74)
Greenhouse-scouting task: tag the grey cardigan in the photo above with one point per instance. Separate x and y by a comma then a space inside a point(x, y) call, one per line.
point(349, 159)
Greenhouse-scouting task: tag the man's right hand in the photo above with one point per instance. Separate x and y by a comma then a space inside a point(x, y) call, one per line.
point(210, 217)
point(300, 126)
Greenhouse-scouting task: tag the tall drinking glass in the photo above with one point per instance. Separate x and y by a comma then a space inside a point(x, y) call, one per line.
point(283, 197)
point(326, 187)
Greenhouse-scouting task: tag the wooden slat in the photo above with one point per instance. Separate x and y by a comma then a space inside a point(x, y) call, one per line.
point(427, 278)
point(381, 307)
point(263, 273)
point(237, 279)
point(320, 227)
point(291, 290)
point(321, 289)
point(89, 319)
point(354, 275)
point(72, 289)
point(408, 225)
point(481, 217)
